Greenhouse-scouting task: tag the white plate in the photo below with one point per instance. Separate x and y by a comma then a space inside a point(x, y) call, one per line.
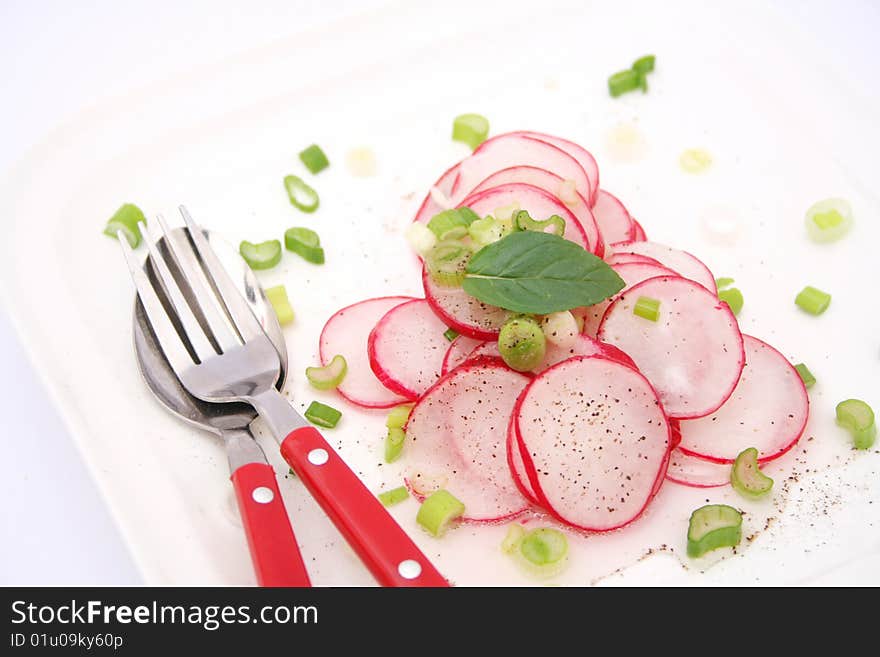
point(783, 129)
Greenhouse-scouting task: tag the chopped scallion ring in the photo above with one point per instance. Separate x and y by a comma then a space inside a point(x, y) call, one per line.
point(329, 376)
point(514, 535)
point(813, 300)
point(394, 440)
point(806, 375)
point(487, 230)
point(421, 238)
point(470, 129)
point(723, 282)
point(746, 476)
point(264, 255)
point(828, 220)
point(446, 263)
point(444, 223)
point(733, 298)
point(398, 416)
point(644, 64)
point(623, 81)
point(301, 195)
point(314, 158)
point(647, 308)
point(857, 417)
point(305, 243)
point(126, 219)
point(450, 334)
point(277, 296)
point(711, 527)
point(542, 552)
point(555, 224)
point(393, 496)
point(322, 415)
point(522, 343)
point(438, 511)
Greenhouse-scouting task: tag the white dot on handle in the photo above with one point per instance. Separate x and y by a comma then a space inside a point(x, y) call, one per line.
point(409, 569)
point(263, 495)
point(318, 456)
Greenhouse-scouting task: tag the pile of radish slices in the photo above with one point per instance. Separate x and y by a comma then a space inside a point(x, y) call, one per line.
point(614, 410)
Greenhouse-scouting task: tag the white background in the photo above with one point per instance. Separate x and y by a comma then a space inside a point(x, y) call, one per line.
point(57, 58)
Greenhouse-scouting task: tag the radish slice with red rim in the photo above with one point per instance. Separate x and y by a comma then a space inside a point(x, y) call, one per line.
point(540, 204)
point(584, 345)
point(638, 232)
point(693, 354)
point(407, 347)
point(444, 185)
point(458, 351)
point(697, 473)
point(456, 438)
point(554, 185)
point(462, 312)
point(346, 333)
point(513, 150)
point(629, 259)
point(681, 262)
point(595, 441)
point(516, 465)
point(632, 273)
point(768, 410)
point(578, 152)
point(614, 221)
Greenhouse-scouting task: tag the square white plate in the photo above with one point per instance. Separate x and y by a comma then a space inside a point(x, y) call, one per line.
point(784, 131)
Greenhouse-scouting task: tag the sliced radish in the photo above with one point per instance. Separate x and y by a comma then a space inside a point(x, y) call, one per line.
point(578, 152)
point(768, 410)
point(513, 150)
point(516, 465)
point(681, 262)
point(632, 273)
point(595, 441)
point(630, 258)
point(462, 312)
point(487, 349)
point(458, 351)
point(614, 221)
point(552, 184)
point(444, 186)
point(584, 346)
point(639, 234)
point(540, 205)
point(693, 354)
point(457, 435)
point(346, 333)
point(407, 348)
point(697, 473)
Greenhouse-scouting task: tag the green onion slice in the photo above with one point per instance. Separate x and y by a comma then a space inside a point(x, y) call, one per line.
point(857, 417)
point(647, 308)
point(644, 64)
point(624, 81)
point(733, 298)
point(813, 300)
point(515, 533)
point(488, 230)
point(394, 440)
point(264, 255)
point(713, 526)
point(393, 496)
point(277, 296)
point(448, 224)
point(305, 243)
point(322, 415)
point(746, 476)
point(470, 129)
point(398, 416)
point(447, 262)
point(329, 376)
point(543, 551)
point(301, 195)
point(314, 158)
point(723, 282)
point(828, 220)
point(438, 511)
point(554, 225)
point(126, 219)
point(806, 375)
point(450, 334)
point(421, 238)
point(522, 343)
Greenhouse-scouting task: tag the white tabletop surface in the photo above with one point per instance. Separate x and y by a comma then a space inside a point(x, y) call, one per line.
point(57, 58)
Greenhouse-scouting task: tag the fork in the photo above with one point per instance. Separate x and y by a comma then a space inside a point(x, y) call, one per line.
point(221, 354)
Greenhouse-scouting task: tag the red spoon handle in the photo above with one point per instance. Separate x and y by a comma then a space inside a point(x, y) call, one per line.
point(375, 536)
point(274, 551)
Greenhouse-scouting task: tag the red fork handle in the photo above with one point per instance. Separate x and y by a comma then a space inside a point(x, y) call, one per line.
point(274, 550)
point(379, 541)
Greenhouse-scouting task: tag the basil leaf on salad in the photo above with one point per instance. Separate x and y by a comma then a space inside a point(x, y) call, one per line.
point(539, 273)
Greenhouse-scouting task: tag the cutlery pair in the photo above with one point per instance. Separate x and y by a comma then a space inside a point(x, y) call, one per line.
point(221, 354)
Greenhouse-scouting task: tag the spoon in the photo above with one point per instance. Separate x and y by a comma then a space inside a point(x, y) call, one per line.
point(273, 547)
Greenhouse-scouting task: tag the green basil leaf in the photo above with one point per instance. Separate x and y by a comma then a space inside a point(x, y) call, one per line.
point(539, 273)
